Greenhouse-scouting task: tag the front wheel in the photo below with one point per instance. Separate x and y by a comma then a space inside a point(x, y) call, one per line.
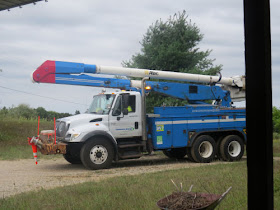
point(203, 149)
point(232, 148)
point(97, 154)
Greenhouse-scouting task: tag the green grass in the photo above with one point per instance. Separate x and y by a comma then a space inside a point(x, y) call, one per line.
point(143, 191)
point(276, 148)
point(13, 137)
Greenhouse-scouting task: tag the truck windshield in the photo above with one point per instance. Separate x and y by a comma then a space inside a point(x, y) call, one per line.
point(101, 104)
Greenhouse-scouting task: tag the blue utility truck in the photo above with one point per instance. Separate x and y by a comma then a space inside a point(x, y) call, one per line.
point(116, 125)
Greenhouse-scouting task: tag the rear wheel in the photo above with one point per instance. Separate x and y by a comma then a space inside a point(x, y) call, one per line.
point(97, 154)
point(232, 148)
point(177, 153)
point(189, 154)
point(203, 149)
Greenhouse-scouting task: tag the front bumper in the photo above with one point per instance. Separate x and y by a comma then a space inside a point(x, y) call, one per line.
point(51, 149)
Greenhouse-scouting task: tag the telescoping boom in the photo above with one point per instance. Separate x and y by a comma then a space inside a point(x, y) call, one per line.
point(59, 72)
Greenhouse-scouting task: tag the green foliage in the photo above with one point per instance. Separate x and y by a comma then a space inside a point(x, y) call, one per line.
point(18, 123)
point(276, 135)
point(14, 133)
point(40, 111)
point(276, 148)
point(22, 110)
point(172, 45)
point(276, 119)
point(25, 111)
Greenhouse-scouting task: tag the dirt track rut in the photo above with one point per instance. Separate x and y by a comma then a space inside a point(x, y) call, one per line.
point(23, 175)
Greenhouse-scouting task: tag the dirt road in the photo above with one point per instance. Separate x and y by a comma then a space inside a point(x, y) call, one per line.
point(23, 175)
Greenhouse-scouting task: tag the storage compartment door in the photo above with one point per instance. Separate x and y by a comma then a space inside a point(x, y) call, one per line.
point(162, 138)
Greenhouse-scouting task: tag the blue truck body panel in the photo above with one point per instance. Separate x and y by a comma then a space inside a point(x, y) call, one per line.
point(172, 127)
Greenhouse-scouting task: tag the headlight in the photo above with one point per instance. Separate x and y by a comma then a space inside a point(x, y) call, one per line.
point(74, 136)
point(61, 129)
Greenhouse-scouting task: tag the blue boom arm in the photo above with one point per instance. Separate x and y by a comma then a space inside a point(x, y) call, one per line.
point(78, 74)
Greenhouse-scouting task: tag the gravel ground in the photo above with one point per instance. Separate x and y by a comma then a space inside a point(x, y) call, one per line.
point(23, 175)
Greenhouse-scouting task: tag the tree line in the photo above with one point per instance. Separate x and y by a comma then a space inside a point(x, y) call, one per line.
point(25, 111)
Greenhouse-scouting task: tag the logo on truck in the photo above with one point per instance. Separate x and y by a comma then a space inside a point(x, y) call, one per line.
point(154, 73)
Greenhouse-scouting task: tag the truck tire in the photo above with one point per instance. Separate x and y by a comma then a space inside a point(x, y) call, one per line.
point(189, 154)
point(72, 159)
point(97, 153)
point(177, 153)
point(218, 143)
point(232, 148)
point(203, 149)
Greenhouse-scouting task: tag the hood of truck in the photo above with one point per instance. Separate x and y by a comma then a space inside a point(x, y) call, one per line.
point(79, 120)
point(82, 117)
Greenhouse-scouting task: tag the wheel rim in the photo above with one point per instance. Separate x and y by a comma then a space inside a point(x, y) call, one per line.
point(234, 148)
point(98, 154)
point(205, 149)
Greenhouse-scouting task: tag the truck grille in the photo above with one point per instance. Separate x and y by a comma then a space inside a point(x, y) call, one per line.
point(61, 129)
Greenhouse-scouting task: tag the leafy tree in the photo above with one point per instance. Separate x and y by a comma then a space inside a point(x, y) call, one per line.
point(22, 110)
point(276, 119)
point(4, 111)
point(42, 112)
point(172, 45)
point(77, 112)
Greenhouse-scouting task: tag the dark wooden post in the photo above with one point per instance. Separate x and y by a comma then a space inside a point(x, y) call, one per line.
point(258, 104)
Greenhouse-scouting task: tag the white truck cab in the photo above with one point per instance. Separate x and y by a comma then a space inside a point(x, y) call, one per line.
point(113, 117)
point(117, 113)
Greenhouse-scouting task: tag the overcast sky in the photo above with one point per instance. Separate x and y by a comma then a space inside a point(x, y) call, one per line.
point(108, 32)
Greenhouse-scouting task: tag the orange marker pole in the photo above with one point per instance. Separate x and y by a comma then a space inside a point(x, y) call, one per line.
point(54, 131)
point(34, 148)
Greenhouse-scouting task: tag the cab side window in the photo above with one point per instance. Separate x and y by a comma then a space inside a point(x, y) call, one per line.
point(131, 104)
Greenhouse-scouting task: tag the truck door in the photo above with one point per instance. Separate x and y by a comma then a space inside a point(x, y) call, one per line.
point(125, 119)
